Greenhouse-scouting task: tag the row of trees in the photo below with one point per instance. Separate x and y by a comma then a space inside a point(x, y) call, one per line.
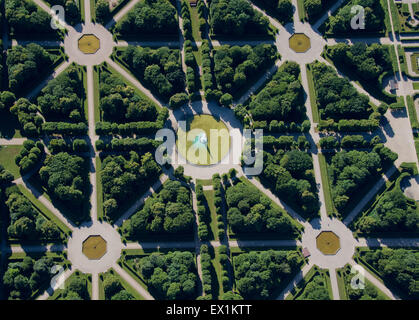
point(26, 223)
point(150, 17)
point(235, 65)
point(30, 156)
point(170, 276)
point(120, 103)
point(169, 211)
point(161, 69)
point(314, 8)
point(23, 278)
point(258, 274)
point(61, 145)
point(350, 170)
point(29, 118)
point(204, 214)
point(236, 17)
point(348, 142)
point(251, 211)
point(141, 145)
point(340, 23)
point(125, 177)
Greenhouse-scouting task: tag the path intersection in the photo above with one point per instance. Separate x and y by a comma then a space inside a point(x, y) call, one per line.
point(396, 132)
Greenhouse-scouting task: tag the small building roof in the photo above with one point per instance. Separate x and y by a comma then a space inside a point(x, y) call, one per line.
point(306, 253)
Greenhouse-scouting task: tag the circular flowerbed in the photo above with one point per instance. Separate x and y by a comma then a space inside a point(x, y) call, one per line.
point(203, 140)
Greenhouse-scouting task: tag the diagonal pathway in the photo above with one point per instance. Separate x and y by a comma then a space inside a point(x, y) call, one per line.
point(121, 13)
point(43, 83)
point(376, 282)
point(141, 201)
point(367, 198)
point(47, 204)
point(50, 291)
point(132, 282)
point(297, 279)
point(134, 81)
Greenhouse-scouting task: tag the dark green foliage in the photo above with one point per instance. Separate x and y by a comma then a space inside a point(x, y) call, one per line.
point(251, 211)
point(236, 17)
point(25, 17)
point(160, 68)
point(23, 278)
point(258, 274)
point(230, 295)
point(5, 177)
point(65, 177)
point(76, 289)
point(393, 212)
point(102, 11)
point(120, 103)
point(234, 66)
point(336, 97)
point(61, 98)
point(170, 276)
point(282, 98)
point(72, 11)
point(178, 100)
point(30, 156)
point(25, 64)
point(123, 178)
point(340, 23)
point(367, 62)
point(398, 267)
point(149, 17)
point(282, 9)
point(26, 112)
point(7, 99)
point(315, 289)
point(169, 211)
point(288, 169)
point(350, 170)
point(314, 8)
point(26, 223)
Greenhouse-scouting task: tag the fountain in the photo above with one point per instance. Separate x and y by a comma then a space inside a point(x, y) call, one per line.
point(201, 140)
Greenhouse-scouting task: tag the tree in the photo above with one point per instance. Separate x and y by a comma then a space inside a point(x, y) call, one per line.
point(111, 285)
point(102, 11)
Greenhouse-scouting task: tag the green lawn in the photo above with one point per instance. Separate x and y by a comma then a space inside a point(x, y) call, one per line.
point(7, 159)
point(301, 10)
point(326, 185)
point(312, 93)
point(415, 85)
point(209, 196)
point(99, 190)
point(195, 24)
point(298, 291)
point(98, 114)
point(211, 154)
point(412, 112)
